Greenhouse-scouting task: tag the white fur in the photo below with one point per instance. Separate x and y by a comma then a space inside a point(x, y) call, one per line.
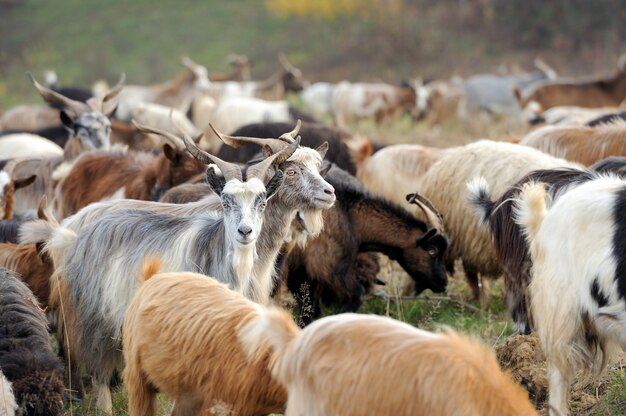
point(8, 406)
point(571, 245)
point(318, 99)
point(234, 112)
point(25, 145)
point(5, 179)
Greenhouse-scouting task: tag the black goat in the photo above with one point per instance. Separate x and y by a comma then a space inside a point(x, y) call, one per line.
point(26, 358)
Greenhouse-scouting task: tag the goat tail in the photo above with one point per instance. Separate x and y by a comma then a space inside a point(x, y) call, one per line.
point(480, 198)
point(150, 266)
point(54, 238)
point(273, 328)
point(530, 208)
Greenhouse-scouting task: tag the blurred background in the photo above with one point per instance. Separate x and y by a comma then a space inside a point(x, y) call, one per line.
point(330, 40)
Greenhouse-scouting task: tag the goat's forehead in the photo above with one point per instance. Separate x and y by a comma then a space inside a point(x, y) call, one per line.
point(5, 179)
point(93, 120)
point(308, 157)
point(236, 188)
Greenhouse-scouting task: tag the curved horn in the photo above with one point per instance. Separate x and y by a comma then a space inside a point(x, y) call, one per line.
point(115, 90)
point(433, 216)
point(284, 62)
point(186, 61)
point(229, 170)
point(290, 136)
point(236, 142)
point(174, 140)
point(259, 170)
point(54, 97)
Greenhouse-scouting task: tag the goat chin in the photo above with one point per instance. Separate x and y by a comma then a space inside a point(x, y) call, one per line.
point(312, 225)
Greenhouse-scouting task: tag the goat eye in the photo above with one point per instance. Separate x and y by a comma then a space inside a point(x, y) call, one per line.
point(291, 172)
point(226, 205)
point(432, 252)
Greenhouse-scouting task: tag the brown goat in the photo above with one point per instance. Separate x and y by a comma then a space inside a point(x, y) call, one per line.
point(34, 268)
point(586, 145)
point(8, 186)
point(586, 92)
point(352, 364)
point(103, 174)
point(189, 350)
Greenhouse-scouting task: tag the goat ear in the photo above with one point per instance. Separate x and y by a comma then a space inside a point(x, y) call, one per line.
point(67, 120)
point(322, 149)
point(324, 170)
point(274, 183)
point(215, 181)
point(170, 153)
point(20, 183)
point(425, 237)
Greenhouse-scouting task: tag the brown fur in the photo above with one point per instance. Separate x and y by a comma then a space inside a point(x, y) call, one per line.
point(590, 93)
point(586, 145)
point(369, 365)
point(8, 195)
point(99, 175)
point(33, 268)
point(189, 350)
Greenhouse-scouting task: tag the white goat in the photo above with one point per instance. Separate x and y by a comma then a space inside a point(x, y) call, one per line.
point(22, 145)
point(318, 99)
point(578, 286)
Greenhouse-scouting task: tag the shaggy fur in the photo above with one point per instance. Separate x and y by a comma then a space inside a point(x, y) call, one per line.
point(614, 164)
point(26, 358)
point(359, 365)
point(34, 268)
point(578, 252)
point(586, 145)
point(313, 135)
point(326, 269)
point(98, 175)
point(508, 239)
point(608, 118)
point(444, 184)
point(8, 406)
point(210, 364)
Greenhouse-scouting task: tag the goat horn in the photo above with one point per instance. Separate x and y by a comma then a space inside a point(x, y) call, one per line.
point(186, 61)
point(115, 90)
point(172, 139)
point(433, 216)
point(42, 213)
point(276, 145)
point(290, 136)
point(284, 62)
point(229, 170)
point(259, 170)
point(54, 97)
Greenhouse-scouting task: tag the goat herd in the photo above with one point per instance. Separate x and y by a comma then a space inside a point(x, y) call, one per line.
point(118, 203)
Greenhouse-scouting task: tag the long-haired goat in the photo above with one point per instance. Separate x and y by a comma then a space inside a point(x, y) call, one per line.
point(356, 365)
point(578, 286)
point(586, 145)
point(508, 239)
point(211, 365)
point(8, 406)
point(95, 283)
point(26, 358)
point(444, 184)
point(325, 269)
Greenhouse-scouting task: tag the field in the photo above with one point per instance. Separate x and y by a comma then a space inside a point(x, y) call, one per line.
point(87, 40)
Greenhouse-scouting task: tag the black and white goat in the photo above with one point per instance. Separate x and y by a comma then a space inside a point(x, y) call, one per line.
point(578, 285)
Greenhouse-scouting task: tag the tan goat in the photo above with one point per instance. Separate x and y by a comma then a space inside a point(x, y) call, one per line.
point(352, 364)
point(180, 338)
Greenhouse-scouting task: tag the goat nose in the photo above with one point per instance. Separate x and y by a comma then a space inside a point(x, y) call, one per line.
point(329, 190)
point(245, 230)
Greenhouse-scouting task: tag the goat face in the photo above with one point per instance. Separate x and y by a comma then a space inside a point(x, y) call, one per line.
point(91, 130)
point(424, 261)
point(293, 81)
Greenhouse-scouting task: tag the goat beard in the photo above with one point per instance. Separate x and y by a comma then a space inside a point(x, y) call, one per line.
point(311, 224)
point(243, 258)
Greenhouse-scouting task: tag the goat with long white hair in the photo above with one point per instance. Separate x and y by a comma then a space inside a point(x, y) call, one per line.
point(578, 286)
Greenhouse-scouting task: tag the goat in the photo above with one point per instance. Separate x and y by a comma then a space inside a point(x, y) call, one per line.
point(438, 101)
point(212, 365)
point(585, 145)
point(508, 240)
point(233, 113)
point(8, 406)
point(29, 118)
point(318, 99)
point(397, 368)
point(8, 187)
point(353, 101)
point(614, 164)
point(34, 267)
point(570, 116)
point(120, 174)
point(590, 92)
point(26, 358)
point(313, 135)
point(240, 70)
point(223, 246)
point(20, 145)
point(577, 290)
point(326, 268)
point(607, 118)
point(444, 184)
point(275, 87)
